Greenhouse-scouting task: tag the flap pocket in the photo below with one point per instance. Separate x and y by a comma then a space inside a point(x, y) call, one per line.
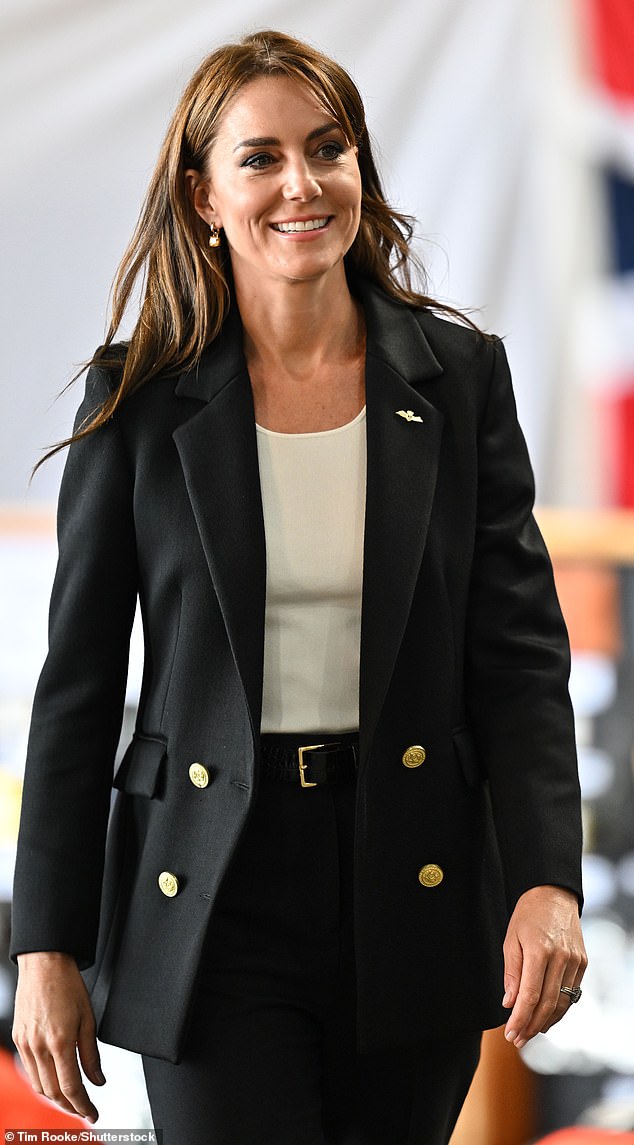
point(140, 767)
point(466, 751)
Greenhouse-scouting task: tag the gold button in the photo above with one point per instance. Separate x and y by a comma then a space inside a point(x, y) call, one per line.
point(414, 756)
point(430, 875)
point(199, 775)
point(168, 884)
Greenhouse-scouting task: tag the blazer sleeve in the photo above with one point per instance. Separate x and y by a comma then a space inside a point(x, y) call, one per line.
point(518, 663)
point(78, 705)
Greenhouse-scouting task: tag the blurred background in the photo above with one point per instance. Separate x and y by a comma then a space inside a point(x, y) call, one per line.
point(507, 128)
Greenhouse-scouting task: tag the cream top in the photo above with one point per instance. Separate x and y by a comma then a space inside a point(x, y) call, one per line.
point(313, 494)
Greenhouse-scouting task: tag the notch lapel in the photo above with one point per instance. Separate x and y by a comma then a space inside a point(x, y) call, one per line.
point(218, 453)
point(403, 454)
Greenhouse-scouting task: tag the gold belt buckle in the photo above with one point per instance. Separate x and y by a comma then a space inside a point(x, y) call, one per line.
point(303, 766)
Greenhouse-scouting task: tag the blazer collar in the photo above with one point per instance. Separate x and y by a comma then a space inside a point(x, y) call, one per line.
point(394, 336)
point(220, 363)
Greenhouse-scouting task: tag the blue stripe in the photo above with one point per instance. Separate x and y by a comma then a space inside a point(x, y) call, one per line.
point(620, 198)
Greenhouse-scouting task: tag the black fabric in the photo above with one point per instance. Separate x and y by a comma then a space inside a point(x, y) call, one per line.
point(270, 1057)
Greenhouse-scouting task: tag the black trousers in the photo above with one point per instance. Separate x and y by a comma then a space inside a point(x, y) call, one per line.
point(271, 1055)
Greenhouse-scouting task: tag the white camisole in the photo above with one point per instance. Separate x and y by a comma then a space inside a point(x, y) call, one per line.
point(313, 494)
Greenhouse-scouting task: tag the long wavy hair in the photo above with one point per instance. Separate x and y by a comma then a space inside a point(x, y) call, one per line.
point(185, 284)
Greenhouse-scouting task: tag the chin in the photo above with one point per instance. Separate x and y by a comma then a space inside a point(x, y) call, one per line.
point(311, 273)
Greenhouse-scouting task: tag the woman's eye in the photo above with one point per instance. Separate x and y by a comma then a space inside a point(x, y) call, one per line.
point(330, 150)
point(262, 159)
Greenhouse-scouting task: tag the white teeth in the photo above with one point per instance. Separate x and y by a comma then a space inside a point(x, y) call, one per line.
point(307, 225)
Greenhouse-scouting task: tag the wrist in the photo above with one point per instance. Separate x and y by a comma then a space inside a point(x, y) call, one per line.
point(551, 891)
point(45, 957)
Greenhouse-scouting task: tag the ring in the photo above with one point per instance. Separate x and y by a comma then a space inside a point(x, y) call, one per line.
point(573, 992)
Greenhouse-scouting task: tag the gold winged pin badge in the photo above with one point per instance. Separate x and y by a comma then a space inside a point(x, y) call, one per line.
point(408, 414)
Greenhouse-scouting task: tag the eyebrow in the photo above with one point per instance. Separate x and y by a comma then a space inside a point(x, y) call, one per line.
point(271, 141)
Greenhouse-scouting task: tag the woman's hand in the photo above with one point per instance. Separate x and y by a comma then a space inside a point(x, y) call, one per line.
point(53, 1020)
point(543, 951)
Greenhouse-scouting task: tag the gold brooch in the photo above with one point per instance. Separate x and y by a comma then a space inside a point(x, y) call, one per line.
point(409, 415)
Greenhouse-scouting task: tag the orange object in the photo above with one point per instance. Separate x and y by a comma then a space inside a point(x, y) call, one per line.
point(21, 1108)
point(589, 598)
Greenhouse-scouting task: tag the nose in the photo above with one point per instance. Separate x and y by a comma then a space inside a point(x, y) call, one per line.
point(300, 182)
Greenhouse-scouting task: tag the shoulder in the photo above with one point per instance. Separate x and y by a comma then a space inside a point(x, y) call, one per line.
point(105, 374)
point(105, 369)
point(456, 344)
point(475, 368)
point(452, 343)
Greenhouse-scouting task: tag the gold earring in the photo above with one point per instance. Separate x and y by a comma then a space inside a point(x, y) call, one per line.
point(214, 237)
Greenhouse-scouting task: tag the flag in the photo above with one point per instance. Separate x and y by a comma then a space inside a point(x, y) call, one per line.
point(610, 29)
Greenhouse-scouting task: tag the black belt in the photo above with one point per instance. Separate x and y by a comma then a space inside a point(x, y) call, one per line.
point(310, 763)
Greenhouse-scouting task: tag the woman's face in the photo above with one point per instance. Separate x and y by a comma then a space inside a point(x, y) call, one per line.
point(283, 183)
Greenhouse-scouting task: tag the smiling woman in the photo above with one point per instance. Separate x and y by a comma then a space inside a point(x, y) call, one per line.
point(346, 834)
point(289, 204)
point(303, 185)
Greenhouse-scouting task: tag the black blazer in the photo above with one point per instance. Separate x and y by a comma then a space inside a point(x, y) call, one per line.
point(463, 651)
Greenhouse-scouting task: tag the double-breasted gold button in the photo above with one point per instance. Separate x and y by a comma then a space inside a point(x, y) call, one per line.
point(431, 875)
point(199, 775)
point(414, 756)
point(168, 884)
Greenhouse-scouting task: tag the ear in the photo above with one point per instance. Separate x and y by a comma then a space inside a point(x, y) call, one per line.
point(199, 190)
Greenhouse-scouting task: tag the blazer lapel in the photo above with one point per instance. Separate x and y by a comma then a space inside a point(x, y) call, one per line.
point(218, 453)
point(403, 453)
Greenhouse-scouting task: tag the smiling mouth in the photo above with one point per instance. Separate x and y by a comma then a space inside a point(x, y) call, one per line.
point(302, 225)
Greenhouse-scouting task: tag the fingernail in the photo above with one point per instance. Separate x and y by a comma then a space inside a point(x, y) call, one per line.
point(511, 1035)
point(507, 998)
point(100, 1078)
point(519, 1045)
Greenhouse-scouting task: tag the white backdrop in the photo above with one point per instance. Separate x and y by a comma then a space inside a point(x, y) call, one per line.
point(472, 103)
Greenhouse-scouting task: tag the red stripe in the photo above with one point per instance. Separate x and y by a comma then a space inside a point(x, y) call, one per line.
point(612, 30)
point(616, 418)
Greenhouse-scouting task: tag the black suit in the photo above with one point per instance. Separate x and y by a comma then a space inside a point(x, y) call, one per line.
point(463, 651)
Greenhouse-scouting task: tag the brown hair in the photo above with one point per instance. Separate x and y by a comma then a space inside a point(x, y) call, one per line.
point(187, 284)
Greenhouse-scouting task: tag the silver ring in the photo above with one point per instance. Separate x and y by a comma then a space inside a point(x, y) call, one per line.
point(573, 992)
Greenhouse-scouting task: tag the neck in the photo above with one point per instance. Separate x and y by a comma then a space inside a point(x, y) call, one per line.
point(300, 324)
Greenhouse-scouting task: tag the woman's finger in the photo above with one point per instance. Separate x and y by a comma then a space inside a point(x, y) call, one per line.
point(88, 1049)
point(528, 997)
point(29, 1064)
point(549, 998)
point(61, 1081)
point(513, 961)
point(570, 978)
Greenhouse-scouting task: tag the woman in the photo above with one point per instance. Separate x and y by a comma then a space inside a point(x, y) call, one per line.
point(305, 899)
